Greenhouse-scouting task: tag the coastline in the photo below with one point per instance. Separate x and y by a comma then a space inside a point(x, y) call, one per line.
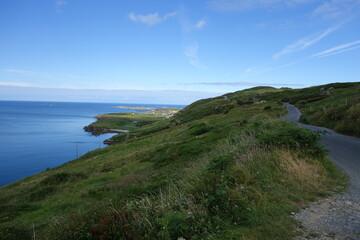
point(48, 136)
point(123, 123)
point(96, 131)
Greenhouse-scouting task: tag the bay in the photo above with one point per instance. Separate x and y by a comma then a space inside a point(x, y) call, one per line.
point(35, 136)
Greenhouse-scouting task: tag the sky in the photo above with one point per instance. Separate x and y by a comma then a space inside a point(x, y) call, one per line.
point(178, 51)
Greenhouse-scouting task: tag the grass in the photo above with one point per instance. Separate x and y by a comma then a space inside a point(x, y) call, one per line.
point(335, 106)
point(150, 122)
point(222, 168)
point(126, 121)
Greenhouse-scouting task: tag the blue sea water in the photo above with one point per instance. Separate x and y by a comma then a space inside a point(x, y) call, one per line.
point(35, 136)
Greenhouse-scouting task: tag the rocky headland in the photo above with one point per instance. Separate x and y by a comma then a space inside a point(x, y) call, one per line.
point(98, 131)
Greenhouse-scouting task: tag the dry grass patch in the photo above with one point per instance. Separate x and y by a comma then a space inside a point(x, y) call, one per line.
point(304, 171)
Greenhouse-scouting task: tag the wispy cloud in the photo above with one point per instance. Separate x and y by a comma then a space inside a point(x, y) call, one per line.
point(191, 52)
point(278, 67)
point(287, 65)
point(200, 24)
point(59, 4)
point(304, 43)
point(260, 69)
point(249, 84)
point(150, 19)
point(28, 73)
point(338, 49)
point(16, 84)
point(335, 9)
point(46, 76)
point(186, 24)
point(245, 5)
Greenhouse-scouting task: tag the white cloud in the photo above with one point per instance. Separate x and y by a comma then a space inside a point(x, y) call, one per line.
point(191, 52)
point(27, 73)
point(279, 67)
point(338, 49)
point(150, 19)
point(304, 43)
point(257, 70)
point(245, 5)
point(59, 4)
point(335, 9)
point(170, 14)
point(200, 24)
point(16, 84)
point(41, 75)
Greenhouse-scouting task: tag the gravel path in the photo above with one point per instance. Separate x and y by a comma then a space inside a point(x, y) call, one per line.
point(337, 217)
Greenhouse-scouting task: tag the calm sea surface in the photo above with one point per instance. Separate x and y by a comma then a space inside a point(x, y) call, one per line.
point(39, 135)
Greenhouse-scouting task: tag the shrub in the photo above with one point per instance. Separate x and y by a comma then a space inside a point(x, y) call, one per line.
point(288, 135)
point(199, 129)
point(56, 179)
point(15, 233)
point(62, 177)
point(41, 192)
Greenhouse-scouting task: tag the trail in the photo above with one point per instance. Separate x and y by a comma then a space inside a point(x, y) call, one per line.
point(337, 217)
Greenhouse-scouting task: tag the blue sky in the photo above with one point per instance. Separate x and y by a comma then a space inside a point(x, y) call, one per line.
point(207, 46)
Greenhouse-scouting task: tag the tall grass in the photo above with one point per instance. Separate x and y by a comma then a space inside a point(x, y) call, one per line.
point(222, 168)
point(241, 189)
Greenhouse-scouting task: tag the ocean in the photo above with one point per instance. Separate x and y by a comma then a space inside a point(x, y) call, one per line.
point(35, 136)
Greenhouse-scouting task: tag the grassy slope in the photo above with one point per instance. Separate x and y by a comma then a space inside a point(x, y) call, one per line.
point(339, 110)
point(221, 168)
point(131, 121)
point(125, 121)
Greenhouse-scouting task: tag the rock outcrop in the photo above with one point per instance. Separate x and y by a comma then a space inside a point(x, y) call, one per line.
point(98, 131)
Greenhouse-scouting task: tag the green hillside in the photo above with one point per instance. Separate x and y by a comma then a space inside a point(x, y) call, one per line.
point(335, 106)
point(221, 168)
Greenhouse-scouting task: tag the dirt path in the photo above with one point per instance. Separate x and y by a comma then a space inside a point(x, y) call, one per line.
point(337, 217)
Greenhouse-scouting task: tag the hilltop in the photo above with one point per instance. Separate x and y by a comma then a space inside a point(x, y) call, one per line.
point(335, 106)
point(221, 168)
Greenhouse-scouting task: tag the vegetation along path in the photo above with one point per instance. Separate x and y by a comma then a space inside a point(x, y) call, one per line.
point(337, 217)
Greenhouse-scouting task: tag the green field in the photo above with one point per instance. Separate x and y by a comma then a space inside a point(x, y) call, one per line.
point(221, 168)
point(130, 120)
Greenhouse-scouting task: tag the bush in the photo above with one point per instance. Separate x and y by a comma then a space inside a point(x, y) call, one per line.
point(15, 233)
point(62, 177)
point(41, 192)
point(199, 129)
point(56, 179)
point(289, 135)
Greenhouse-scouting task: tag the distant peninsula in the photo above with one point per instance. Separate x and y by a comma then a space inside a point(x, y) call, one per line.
point(159, 109)
point(136, 107)
point(122, 123)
